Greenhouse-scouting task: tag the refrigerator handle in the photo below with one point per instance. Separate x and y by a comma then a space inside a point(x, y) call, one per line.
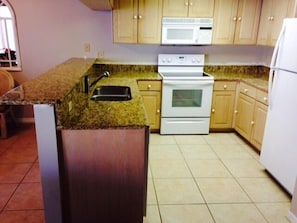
point(273, 65)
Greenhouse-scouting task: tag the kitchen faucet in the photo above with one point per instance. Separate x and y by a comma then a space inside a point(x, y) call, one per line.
point(87, 85)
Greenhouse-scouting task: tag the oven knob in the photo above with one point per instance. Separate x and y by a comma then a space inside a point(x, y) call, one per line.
point(163, 60)
point(169, 60)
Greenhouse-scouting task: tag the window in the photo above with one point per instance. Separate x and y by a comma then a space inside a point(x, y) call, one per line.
point(9, 49)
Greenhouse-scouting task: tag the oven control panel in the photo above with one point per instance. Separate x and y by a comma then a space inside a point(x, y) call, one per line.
point(181, 59)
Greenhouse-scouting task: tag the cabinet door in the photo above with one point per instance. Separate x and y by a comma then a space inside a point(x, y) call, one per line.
point(247, 24)
point(149, 21)
point(280, 10)
point(175, 8)
point(152, 104)
point(244, 115)
point(225, 14)
point(272, 15)
point(125, 21)
point(258, 127)
point(222, 109)
point(201, 8)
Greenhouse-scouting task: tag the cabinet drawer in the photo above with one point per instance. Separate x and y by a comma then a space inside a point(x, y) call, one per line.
point(262, 97)
point(248, 90)
point(149, 85)
point(224, 86)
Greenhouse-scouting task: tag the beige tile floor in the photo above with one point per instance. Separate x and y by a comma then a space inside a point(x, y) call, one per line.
point(214, 178)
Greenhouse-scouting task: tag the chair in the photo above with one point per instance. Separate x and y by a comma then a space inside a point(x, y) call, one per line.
point(6, 84)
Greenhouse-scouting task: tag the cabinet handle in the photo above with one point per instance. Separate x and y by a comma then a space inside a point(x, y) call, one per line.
point(225, 86)
point(234, 18)
point(149, 86)
point(252, 123)
point(213, 110)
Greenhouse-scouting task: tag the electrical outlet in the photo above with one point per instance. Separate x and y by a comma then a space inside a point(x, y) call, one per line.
point(101, 54)
point(87, 47)
point(70, 106)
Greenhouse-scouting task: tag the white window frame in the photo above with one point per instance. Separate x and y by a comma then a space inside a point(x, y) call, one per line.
point(9, 44)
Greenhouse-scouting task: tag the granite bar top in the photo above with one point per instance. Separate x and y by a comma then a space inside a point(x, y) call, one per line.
point(62, 86)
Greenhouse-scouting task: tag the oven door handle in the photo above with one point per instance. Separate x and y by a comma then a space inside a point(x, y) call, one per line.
point(188, 82)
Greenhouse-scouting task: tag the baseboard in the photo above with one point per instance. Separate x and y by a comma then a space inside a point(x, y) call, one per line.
point(26, 120)
point(292, 217)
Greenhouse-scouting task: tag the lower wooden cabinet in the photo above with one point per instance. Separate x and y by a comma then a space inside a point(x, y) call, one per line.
point(104, 174)
point(251, 114)
point(223, 100)
point(151, 94)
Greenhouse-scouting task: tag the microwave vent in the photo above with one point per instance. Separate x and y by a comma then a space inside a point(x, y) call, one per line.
point(171, 20)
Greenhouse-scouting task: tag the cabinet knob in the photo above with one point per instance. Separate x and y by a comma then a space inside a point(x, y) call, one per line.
point(235, 111)
point(225, 86)
point(186, 3)
point(234, 18)
point(135, 17)
point(213, 110)
point(246, 90)
point(158, 111)
point(252, 123)
point(271, 18)
point(139, 17)
point(149, 86)
point(239, 18)
point(265, 98)
point(191, 3)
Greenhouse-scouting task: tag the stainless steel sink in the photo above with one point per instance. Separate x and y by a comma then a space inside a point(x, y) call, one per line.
point(112, 93)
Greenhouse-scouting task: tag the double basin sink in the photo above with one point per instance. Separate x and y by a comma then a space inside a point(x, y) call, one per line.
point(111, 93)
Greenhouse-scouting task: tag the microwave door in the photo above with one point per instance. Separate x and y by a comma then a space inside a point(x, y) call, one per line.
point(179, 35)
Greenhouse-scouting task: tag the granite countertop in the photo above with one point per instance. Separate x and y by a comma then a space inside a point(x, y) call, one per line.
point(62, 85)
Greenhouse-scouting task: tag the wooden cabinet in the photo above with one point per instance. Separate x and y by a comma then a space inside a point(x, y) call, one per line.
point(137, 21)
point(236, 21)
point(251, 114)
point(272, 15)
point(223, 105)
point(151, 94)
point(104, 174)
point(191, 8)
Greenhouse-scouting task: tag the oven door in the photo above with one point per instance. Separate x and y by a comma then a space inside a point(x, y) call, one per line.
point(186, 98)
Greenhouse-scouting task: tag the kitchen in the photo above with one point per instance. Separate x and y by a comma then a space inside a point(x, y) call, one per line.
point(79, 21)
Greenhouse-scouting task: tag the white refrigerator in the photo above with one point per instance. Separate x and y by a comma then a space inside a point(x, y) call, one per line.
point(279, 148)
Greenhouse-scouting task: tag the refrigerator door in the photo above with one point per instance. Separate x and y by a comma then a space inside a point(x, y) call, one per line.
point(279, 148)
point(286, 57)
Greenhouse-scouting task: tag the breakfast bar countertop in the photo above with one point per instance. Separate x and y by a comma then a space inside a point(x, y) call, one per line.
point(62, 86)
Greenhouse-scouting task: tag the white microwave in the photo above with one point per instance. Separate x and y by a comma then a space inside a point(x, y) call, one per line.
point(186, 31)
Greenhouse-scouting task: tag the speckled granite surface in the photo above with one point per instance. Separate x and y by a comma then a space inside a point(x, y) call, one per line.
point(63, 84)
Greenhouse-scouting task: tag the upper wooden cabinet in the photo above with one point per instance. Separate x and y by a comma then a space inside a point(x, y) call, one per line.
point(272, 15)
point(98, 4)
point(191, 8)
point(137, 21)
point(236, 21)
